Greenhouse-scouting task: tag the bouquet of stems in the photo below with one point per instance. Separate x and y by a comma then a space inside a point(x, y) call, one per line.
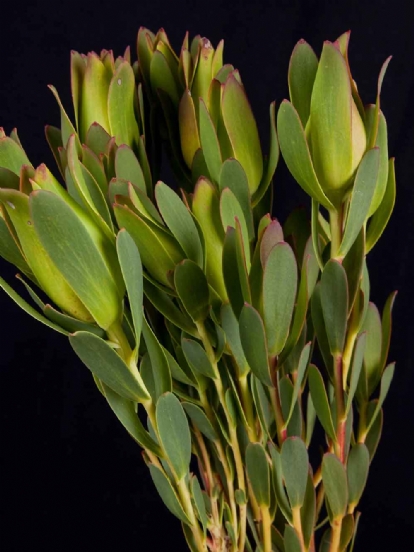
point(244, 357)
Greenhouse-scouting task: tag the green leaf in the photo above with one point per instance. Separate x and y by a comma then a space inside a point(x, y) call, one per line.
point(315, 216)
point(291, 540)
point(124, 410)
point(127, 167)
point(108, 366)
point(262, 405)
point(382, 215)
point(197, 358)
point(385, 387)
point(361, 197)
point(209, 142)
point(190, 140)
point(131, 267)
point(279, 489)
point(159, 363)
point(177, 372)
point(302, 72)
point(386, 327)
point(253, 339)
point(66, 125)
point(334, 300)
point(347, 531)
point(230, 326)
point(320, 401)
point(235, 270)
point(197, 495)
point(192, 288)
point(54, 139)
point(28, 308)
point(9, 179)
point(279, 294)
point(319, 326)
point(164, 304)
point(374, 435)
point(372, 355)
point(357, 470)
point(335, 484)
point(200, 420)
point(121, 100)
point(89, 191)
point(272, 235)
point(381, 142)
point(233, 177)
point(356, 366)
point(258, 473)
point(9, 249)
point(353, 264)
point(180, 222)
point(174, 433)
point(97, 139)
point(308, 511)
point(295, 467)
point(69, 323)
point(76, 255)
point(331, 120)
point(271, 162)
point(158, 249)
point(295, 151)
point(303, 364)
point(167, 493)
point(207, 212)
point(242, 130)
point(231, 212)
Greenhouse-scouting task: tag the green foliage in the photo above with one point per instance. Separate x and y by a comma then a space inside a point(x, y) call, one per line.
point(190, 304)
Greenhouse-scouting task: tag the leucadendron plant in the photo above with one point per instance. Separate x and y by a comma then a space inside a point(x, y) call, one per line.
point(212, 331)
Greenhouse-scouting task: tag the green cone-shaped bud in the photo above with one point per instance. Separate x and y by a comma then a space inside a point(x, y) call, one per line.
point(337, 133)
point(325, 131)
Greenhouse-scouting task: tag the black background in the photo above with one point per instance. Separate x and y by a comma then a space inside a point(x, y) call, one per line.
point(71, 478)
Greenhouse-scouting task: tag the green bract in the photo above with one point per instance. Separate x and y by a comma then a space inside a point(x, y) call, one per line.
point(194, 309)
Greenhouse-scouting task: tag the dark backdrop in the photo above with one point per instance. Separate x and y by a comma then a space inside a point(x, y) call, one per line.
point(71, 478)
